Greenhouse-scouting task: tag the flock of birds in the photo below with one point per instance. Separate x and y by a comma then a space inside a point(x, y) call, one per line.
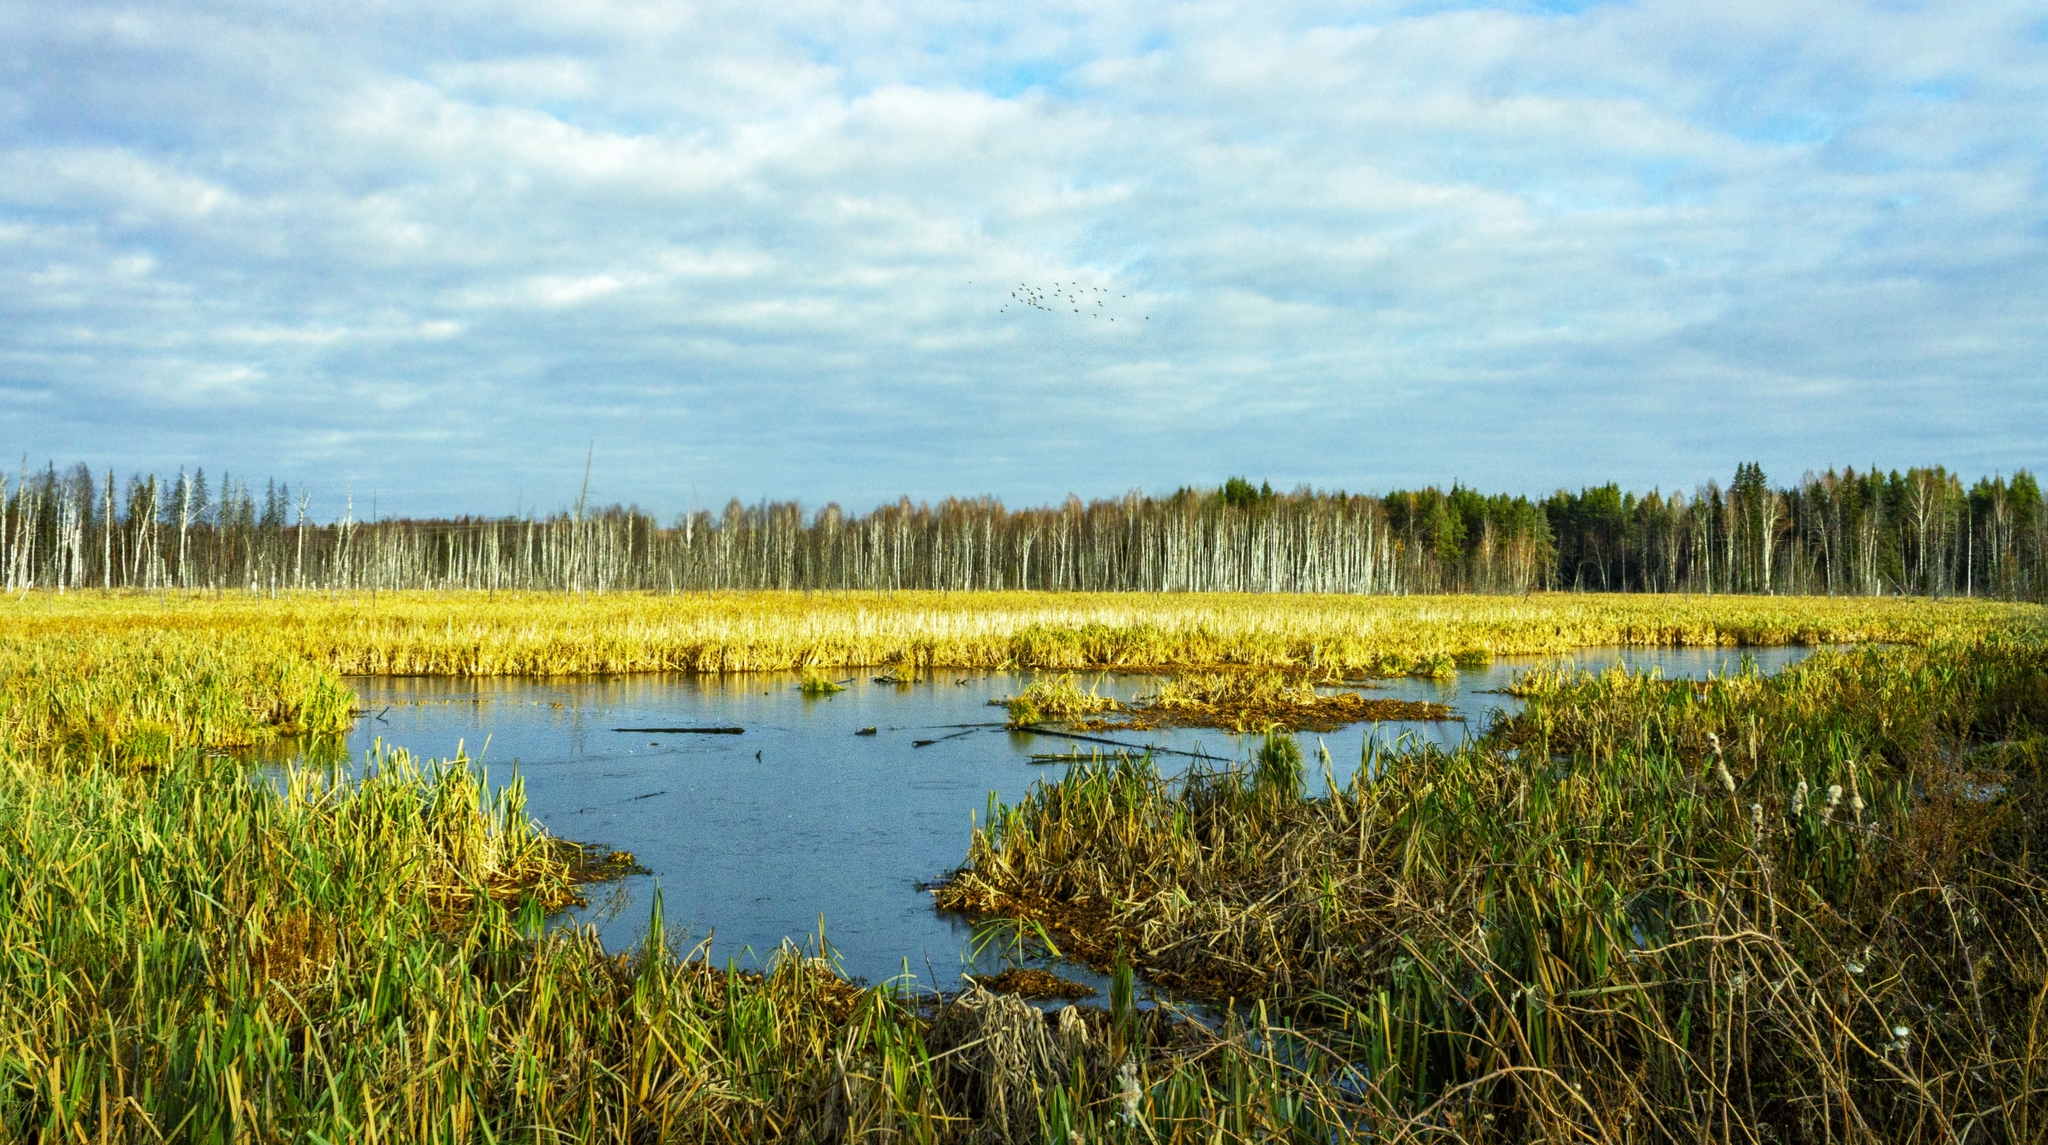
point(1076, 299)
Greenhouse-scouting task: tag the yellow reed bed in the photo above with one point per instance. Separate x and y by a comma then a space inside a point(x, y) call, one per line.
point(142, 696)
point(472, 633)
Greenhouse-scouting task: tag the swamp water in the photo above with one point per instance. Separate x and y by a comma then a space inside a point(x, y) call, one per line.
point(753, 838)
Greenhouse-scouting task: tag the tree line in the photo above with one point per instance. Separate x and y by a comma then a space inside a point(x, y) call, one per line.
point(1849, 533)
point(1920, 532)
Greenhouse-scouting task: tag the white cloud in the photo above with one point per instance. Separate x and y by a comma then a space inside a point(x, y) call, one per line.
point(766, 251)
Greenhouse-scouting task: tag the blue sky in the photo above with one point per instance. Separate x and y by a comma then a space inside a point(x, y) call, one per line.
point(435, 252)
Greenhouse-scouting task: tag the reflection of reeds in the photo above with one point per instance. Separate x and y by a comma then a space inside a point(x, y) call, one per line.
point(1572, 930)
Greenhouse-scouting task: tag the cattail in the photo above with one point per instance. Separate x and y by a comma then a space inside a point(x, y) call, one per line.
point(1834, 797)
point(1128, 1092)
point(1721, 764)
point(1756, 817)
point(1799, 799)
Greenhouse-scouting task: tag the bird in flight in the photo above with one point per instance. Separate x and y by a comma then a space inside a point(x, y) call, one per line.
point(1097, 302)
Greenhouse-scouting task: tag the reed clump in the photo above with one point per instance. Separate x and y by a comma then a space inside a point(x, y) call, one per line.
point(1250, 701)
point(1800, 908)
point(1058, 699)
point(140, 698)
point(818, 684)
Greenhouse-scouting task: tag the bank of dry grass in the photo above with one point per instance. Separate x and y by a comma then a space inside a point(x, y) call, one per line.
point(473, 633)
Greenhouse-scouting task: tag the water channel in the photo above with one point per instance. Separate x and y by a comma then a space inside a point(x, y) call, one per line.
point(754, 838)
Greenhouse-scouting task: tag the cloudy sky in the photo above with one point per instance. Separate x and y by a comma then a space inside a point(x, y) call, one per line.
point(435, 252)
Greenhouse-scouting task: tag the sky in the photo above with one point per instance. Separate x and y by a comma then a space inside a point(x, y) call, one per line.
point(445, 255)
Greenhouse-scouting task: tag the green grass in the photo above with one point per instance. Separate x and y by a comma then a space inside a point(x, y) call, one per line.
point(196, 955)
point(816, 684)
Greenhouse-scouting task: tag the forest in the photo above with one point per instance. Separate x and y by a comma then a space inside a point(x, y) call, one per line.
point(1922, 531)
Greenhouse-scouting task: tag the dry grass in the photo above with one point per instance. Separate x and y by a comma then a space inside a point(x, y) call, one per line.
point(1028, 982)
point(1259, 701)
point(1250, 701)
point(141, 697)
point(473, 633)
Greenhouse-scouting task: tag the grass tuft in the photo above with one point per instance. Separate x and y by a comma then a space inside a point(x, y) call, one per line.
point(817, 684)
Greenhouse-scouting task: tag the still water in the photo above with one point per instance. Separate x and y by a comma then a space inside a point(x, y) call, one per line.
point(760, 837)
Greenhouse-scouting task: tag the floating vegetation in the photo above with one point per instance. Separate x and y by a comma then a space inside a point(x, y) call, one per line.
point(1807, 903)
point(1256, 701)
point(1236, 701)
point(1032, 983)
